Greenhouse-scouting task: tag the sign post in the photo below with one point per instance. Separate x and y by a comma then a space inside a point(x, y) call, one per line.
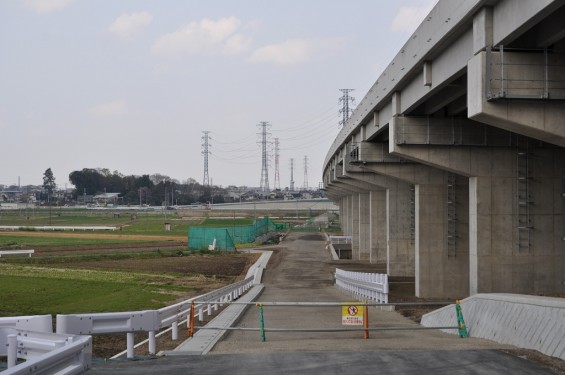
point(355, 315)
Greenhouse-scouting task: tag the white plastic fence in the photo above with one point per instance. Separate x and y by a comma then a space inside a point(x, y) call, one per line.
point(149, 320)
point(340, 239)
point(16, 252)
point(31, 338)
point(363, 286)
point(56, 228)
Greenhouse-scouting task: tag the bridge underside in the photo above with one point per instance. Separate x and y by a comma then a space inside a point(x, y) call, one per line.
point(456, 174)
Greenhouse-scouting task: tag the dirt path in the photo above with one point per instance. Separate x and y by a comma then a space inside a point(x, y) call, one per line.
point(302, 270)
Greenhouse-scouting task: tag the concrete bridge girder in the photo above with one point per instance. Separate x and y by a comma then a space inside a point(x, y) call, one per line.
point(466, 74)
point(539, 119)
point(505, 225)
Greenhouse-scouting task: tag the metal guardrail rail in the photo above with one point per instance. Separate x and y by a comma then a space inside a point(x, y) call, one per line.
point(56, 228)
point(149, 321)
point(31, 338)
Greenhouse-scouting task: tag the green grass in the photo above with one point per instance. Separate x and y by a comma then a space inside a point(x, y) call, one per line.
point(94, 257)
point(34, 241)
point(35, 290)
point(145, 224)
point(226, 222)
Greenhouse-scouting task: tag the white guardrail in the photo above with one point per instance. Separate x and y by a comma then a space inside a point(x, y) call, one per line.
point(149, 321)
point(69, 350)
point(16, 252)
point(32, 338)
point(363, 286)
point(55, 228)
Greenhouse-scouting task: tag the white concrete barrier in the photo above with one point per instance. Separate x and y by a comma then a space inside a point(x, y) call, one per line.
point(530, 322)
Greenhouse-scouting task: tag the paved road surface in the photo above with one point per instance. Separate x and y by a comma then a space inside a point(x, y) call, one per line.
point(301, 270)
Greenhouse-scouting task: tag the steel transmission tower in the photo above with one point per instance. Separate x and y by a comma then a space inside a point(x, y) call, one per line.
point(346, 109)
point(264, 185)
point(305, 172)
point(206, 151)
point(277, 179)
point(291, 174)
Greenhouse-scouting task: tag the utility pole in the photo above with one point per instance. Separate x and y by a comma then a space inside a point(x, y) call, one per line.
point(291, 174)
point(264, 185)
point(346, 109)
point(205, 151)
point(277, 179)
point(305, 172)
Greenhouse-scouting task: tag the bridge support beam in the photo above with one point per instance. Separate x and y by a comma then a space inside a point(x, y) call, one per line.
point(514, 235)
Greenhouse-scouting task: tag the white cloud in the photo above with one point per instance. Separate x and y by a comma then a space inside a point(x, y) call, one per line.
point(295, 51)
point(114, 108)
point(127, 25)
point(204, 37)
point(46, 6)
point(409, 18)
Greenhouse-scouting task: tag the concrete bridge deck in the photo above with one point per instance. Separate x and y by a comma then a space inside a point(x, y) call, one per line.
point(301, 270)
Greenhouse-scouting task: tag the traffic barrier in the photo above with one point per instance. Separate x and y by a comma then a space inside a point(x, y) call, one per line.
point(365, 323)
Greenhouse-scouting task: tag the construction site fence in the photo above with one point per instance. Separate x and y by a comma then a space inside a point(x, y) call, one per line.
point(225, 238)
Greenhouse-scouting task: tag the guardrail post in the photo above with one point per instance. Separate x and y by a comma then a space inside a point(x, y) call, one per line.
point(152, 343)
point(175, 331)
point(12, 350)
point(190, 332)
point(261, 323)
point(366, 320)
point(130, 344)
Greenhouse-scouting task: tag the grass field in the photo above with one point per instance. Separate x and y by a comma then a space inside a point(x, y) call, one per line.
point(37, 290)
point(106, 271)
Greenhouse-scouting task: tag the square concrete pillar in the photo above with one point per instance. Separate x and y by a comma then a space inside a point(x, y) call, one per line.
point(354, 199)
point(442, 237)
point(364, 226)
point(378, 236)
point(400, 246)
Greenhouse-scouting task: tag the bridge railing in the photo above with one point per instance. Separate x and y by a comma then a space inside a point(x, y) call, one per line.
point(149, 321)
point(363, 286)
point(31, 338)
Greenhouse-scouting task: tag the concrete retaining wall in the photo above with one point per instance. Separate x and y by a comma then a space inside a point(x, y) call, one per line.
point(529, 322)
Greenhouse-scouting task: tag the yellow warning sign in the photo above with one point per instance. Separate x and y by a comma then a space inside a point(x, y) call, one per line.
point(351, 315)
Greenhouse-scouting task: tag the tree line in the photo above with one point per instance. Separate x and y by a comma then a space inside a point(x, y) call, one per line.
point(153, 190)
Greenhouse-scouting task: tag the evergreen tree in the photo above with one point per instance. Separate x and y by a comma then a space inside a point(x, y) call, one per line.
point(49, 184)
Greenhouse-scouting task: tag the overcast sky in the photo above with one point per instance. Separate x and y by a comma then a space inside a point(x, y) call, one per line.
point(130, 85)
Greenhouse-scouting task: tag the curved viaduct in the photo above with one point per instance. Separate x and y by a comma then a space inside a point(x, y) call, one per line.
point(452, 167)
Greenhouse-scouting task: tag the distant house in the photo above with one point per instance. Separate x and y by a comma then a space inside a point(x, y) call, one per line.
point(106, 198)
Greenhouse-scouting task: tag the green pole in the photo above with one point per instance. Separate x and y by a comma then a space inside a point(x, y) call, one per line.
point(460, 322)
point(261, 323)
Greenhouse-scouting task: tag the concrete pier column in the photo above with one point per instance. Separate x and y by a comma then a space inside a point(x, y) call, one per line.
point(364, 226)
point(400, 243)
point(377, 227)
point(354, 215)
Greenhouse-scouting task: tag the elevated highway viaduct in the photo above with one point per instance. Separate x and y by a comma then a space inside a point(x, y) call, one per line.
point(452, 167)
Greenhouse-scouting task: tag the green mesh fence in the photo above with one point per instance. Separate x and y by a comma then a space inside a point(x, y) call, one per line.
point(226, 237)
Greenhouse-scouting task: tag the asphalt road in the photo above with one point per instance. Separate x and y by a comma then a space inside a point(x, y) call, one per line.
point(301, 270)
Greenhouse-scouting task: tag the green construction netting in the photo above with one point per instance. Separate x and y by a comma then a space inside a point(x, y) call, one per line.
point(201, 238)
